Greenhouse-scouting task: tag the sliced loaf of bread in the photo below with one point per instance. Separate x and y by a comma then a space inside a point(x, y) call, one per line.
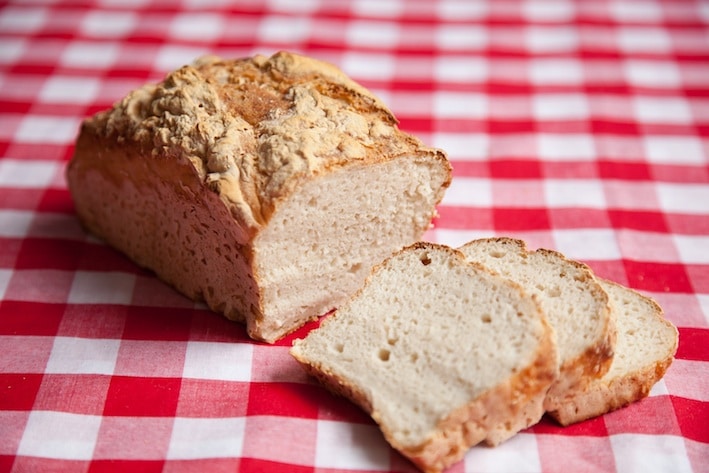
point(644, 349)
point(573, 301)
point(439, 351)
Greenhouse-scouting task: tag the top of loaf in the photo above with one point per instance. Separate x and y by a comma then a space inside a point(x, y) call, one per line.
point(253, 128)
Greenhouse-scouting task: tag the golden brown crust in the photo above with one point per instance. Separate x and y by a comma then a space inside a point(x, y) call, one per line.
point(254, 128)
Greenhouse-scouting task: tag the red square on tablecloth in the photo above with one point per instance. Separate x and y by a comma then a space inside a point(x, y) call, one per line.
point(284, 399)
point(28, 318)
point(688, 413)
point(18, 391)
point(130, 396)
point(212, 398)
point(157, 323)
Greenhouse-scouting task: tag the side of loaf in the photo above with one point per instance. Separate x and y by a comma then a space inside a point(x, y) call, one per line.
point(440, 352)
point(266, 187)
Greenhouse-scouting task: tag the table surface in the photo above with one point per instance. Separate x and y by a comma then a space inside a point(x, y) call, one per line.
point(577, 126)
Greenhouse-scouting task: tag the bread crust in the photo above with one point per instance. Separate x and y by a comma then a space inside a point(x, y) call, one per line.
point(223, 145)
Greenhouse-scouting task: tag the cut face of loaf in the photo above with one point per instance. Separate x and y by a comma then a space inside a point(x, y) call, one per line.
point(439, 352)
point(644, 350)
point(267, 187)
point(573, 301)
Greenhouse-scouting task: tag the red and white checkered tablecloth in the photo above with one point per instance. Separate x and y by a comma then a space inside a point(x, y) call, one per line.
point(581, 126)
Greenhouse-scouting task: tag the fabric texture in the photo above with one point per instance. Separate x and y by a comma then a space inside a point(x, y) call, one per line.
point(580, 126)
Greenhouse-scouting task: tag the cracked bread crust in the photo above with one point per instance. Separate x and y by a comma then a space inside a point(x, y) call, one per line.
point(208, 176)
point(254, 128)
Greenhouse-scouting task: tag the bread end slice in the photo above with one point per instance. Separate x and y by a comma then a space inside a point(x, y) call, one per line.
point(441, 353)
point(573, 301)
point(645, 348)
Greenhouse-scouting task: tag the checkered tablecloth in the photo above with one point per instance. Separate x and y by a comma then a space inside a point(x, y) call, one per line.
point(578, 126)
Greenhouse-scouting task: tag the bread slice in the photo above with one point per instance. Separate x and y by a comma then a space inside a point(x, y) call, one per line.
point(573, 301)
point(644, 350)
point(267, 187)
point(437, 350)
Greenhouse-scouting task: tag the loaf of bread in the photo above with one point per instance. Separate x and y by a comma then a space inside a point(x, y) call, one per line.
point(439, 351)
point(266, 187)
point(573, 301)
point(644, 350)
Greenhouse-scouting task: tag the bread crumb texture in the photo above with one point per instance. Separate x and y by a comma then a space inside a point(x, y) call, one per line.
point(254, 128)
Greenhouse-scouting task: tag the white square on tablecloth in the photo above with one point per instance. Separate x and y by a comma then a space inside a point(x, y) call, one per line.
point(560, 106)
point(457, 10)
point(22, 19)
point(536, 10)
point(683, 198)
point(284, 29)
point(693, 249)
point(460, 68)
point(96, 287)
point(469, 191)
point(372, 33)
point(669, 110)
point(15, 223)
point(670, 149)
point(69, 90)
point(12, 49)
point(89, 55)
point(372, 66)
point(40, 129)
point(197, 26)
point(551, 38)
point(60, 435)
point(451, 36)
point(459, 105)
point(647, 246)
point(463, 146)
point(587, 244)
point(27, 174)
point(553, 71)
point(170, 57)
point(351, 446)
point(5, 275)
point(194, 438)
point(652, 73)
point(566, 193)
point(630, 12)
point(378, 8)
point(566, 147)
point(104, 24)
point(643, 39)
point(214, 360)
point(301, 6)
point(520, 453)
point(72, 355)
point(639, 453)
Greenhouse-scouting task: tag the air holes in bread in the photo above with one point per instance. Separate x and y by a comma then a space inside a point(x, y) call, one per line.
point(384, 354)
